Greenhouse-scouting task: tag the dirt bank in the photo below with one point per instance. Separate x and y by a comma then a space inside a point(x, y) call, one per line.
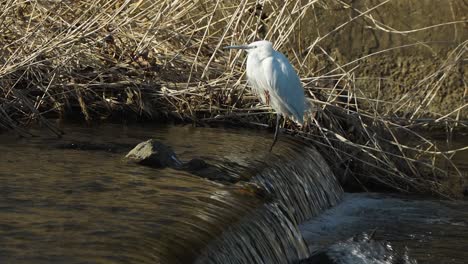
point(412, 60)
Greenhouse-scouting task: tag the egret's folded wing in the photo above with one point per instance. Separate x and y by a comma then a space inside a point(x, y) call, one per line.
point(286, 86)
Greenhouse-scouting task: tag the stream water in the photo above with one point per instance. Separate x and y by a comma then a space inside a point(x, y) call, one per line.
point(429, 231)
point(62, 201)
point(74, 206)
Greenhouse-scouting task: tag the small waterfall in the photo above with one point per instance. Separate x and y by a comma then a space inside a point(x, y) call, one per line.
point(300, 179)
point(301, 185)
point(269, 235)
point(82, 205)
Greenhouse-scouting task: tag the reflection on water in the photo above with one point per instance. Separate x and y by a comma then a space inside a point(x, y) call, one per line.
point(76, 206)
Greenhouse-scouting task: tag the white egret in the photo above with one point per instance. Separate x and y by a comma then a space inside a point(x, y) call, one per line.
point(272, 77)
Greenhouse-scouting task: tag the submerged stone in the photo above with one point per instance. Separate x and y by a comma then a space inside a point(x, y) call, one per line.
point(195, 164)
point(155, 154)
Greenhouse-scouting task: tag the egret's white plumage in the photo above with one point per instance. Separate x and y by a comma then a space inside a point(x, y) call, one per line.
point(273, 78)
point(270, 70)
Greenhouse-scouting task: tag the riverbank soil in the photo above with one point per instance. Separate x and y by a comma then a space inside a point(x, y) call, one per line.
point(412, 54)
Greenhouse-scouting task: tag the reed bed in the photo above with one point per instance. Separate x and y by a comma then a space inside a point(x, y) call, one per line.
point(164, 60)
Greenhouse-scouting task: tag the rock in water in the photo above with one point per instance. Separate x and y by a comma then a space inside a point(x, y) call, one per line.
point(155, 154)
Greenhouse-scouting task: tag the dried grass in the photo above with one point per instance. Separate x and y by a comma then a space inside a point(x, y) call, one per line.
point(164, 59)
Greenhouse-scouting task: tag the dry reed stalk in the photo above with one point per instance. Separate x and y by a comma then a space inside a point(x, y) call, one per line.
point(164, 58)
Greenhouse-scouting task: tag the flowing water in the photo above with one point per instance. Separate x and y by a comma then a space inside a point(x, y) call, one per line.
point(85, 205)
point(430, 231)
point(302, 186)
point(75, 200)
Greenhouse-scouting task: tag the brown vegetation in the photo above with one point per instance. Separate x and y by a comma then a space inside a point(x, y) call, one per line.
point(163, 59)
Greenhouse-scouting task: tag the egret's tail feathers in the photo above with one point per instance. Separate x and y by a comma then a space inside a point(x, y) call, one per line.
point(310, 110)
point(299, 116)
point(298, 119)
point(296, 115)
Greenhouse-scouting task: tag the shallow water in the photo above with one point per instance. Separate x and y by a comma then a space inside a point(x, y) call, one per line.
point(73, 206)
point(62, 205)
point(431, 231)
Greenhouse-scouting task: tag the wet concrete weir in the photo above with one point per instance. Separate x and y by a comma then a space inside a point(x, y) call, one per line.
point(302, 186)
point(75, 199)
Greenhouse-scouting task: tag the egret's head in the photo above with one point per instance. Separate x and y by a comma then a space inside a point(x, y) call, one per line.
point(262, 46)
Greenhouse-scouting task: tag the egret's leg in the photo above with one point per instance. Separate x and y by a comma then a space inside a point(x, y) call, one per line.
point(267, 97)
point(278, 117)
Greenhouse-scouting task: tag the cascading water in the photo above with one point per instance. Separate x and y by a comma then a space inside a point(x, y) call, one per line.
point(300, 180)
point(301, 186)
point(268, 235)
point(84, 205)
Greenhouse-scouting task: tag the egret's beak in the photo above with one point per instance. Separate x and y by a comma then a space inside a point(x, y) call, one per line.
point(238, 47)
